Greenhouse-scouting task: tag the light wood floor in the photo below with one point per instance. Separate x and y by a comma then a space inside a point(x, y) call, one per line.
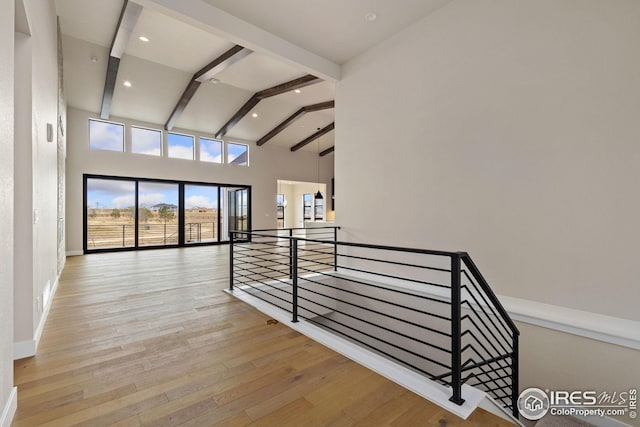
point(149, 338)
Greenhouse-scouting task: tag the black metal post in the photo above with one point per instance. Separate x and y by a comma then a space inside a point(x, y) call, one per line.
point(294, 267)
point(231, 261)
point(123, 244)
point(335, 249)
point(290, 254)
point(456, 339)
point(515, 371)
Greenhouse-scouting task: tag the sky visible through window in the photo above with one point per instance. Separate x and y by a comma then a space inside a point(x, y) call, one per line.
point(120, 194)
point(196, 196)
point(210, 150)
point(151, 194)
point(117, 194)
point(180, 146)
point(237, 154)
point(146, 141)
point(106, 136)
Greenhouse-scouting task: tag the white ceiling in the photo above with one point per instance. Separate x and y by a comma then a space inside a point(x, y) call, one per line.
point(161, 69)
point(334, 29)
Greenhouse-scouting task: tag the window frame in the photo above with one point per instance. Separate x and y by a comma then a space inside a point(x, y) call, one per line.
point(222, 151)
point(132, 127)
point(193, 146)
point(228, 151)
point(121, 125)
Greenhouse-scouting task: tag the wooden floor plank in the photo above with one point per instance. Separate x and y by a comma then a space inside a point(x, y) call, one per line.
point(149, 338)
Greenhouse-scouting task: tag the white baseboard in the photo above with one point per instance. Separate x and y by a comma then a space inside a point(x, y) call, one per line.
point(9, 409)
point(24, 349)
point(28, 348)
point(74, 253)
point(603, 421)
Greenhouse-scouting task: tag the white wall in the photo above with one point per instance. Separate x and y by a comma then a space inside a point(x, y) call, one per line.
point(36, 163)
point(509, 130)
point(6, 200)
point(267, 165)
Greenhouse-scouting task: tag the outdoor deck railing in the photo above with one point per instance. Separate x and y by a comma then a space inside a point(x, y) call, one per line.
point(431, 311)
point(149, 234)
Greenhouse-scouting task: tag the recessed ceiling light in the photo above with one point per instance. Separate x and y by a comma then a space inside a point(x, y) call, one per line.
point(143, 38)
point(370, 16)
point(254, 115)
point(214, 80)
point(94, 59)
point(127, 83)
point(297, 91)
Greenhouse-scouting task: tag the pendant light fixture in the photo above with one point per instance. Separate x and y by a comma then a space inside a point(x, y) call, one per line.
point(318, 195)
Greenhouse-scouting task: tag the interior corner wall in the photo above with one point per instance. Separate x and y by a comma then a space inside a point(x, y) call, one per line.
point(38, 202)
point(509, 130)
point(6, 200)
point(266, 165)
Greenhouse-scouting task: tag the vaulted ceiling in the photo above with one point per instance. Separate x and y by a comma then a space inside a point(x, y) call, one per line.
point(193, 76)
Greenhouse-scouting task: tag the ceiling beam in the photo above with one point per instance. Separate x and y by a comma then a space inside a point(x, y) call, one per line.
point(327, 151)
point(313, 137)
point(127, 22)
point(292, 118)
point(266, 93)
point(216, 66)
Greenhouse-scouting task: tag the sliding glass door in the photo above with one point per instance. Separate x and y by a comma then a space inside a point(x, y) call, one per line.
point(201, 213)
point(157, 214)
point(110, 213)
point(130, 213)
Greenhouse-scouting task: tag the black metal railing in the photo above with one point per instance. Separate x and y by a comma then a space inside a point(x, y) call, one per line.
point(431, 311)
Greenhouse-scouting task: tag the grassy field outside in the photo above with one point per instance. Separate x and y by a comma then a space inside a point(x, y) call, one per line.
point(115, 228)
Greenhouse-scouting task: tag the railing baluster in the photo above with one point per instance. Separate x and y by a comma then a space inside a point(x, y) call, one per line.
point(294, 267)
point(231, 261)
point(515, 386)
point(335, 248)
point(290, 254)
point(456, 338)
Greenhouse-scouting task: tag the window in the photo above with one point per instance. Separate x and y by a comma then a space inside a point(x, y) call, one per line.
point(146, 141)
point(200, 213)
point(319, 209)
point(237, 154)
point(280, 208)
point(167, 213)
point(157, 214)
point(110, 213)
point(210, 150)
point(179, 146)
point(307, 207)
point(106, 136)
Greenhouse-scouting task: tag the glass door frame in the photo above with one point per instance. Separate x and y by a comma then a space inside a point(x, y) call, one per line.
point(220, 239)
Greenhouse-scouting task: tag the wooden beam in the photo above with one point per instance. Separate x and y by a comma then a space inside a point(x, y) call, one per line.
point(292, 118)
point(327, 151)
point(266, 93)
point(221, 63)
point(288, 86)
point(313, 137)
point(109, 86)
point(252, 102)
point(188, 93)
point(126, 23)
point(216, 66)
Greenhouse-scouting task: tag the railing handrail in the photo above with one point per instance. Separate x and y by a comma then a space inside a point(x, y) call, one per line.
point(352, 244)
point(461, 262)
point(475, 272)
